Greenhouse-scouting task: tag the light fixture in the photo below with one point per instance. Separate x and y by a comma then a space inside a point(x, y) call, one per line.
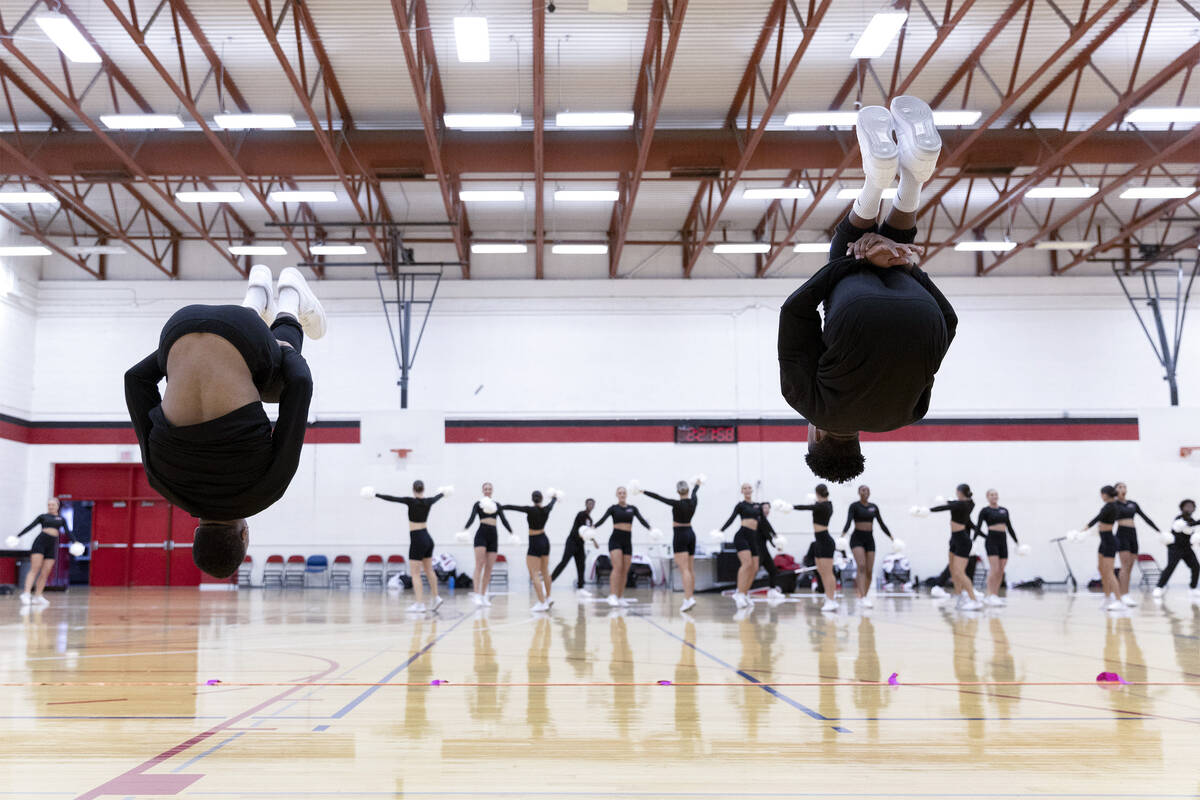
point(97, 250)
point(985, 247)
point(337, 249)
point(852, 194)
point(258, 250)
point(951, 119)
point(22, 198)
point(24, 250)
point(243, 122)
point(210, 197)
point(777, 193)
point(586, 195)
point(742, 247)
point(579, 249)
point(470, 121)
point(140, 122)
point(304, 196)
point(1157, 192)
point(817, 119)
point(1180, 114)
point(880, 31)
point(1061, 191)
point(812, 247)
point(594, 119)
point(67, 38)
point(471, 39)
point(491, 195)
point(1055, 244)
point(498, 247)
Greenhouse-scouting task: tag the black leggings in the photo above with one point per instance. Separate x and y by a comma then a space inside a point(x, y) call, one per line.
point(573, 549)
point(846, 234)
point(766, 562)
point(1175, 554)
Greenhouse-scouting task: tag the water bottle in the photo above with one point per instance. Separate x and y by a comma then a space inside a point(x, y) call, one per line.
point(452, 582)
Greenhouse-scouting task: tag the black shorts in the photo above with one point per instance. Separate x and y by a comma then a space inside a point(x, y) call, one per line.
point(997, 544)
point(960, 544)
point(863, 539)
point(823, 545)
point(1108, 544)
point(420, 545)
point(746, 539)
point(684, 541)
point(621, 540)
point(46, 544)
point(539, 545)
point(1127, 540)
point(486, 537)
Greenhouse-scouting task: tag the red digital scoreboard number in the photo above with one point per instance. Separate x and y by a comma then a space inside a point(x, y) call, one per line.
point(705, 434)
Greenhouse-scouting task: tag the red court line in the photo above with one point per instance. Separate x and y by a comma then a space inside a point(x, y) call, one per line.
point(79, 702)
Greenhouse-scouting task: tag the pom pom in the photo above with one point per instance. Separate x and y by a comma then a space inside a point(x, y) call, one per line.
point(463, 536)
point(1179, 526)
point(1196, 539)
point(716, 536)
point(898, 545)
point(1167, 538)
point(11, 542)
point(781, 506)
point(367, 491)
point(588, 531)
point(446, 490)
point(811, 497)
point(76, 549)
point(557, 494)
point(634, 486)
point(487, 505)
point(656, 534)
point(701, 478)
point(919, 511)
point(1024, 550)
point(939, 501)
point(1073, 535)
point(780, 540)
point(843, 543)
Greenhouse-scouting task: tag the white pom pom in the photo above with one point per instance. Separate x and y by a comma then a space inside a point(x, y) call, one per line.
point(1195, 539)
point(587, 530)
point(716, 536)
point(367, 491)
point(487, 505)
point(1024, 550)
point(557, 494)
point(463, 536)
point(446, 490)
point(1073, 535)
point(1179, 526)
point(898, 545)
point(1167, 539)
point(811, 497)
point(11, 542)
point(780, 541)
point(634, 486)
point(843, 543)
point(781, 506)
point(919, 511)
point(76, 549)
point(701, 478)
point(656, 534)
point(939, 501)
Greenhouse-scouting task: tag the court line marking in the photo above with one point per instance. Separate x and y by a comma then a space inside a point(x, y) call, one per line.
point(760, 683)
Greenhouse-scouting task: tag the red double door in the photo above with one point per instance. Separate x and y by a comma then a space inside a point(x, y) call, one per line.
point(138, 538)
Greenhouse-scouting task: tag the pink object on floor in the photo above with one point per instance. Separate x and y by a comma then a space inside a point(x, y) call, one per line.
point(212, 682)
point(894, 679)
point(664, 683)
point(1111, 677)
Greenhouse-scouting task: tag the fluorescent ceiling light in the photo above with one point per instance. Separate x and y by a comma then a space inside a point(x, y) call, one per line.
point(852, 194)
point(579, 249)
point(950, 119)
point(1157, 192)
point(985, 247)
point(471, 39)
point(67, 38)
point(97, 250)
point(462, 121)
point(258, 250)
point(1054, 244)
point(817, 119)
point(594, 119)
point(498, 247)
point(812, 247)
point(242, 122)
point(742, 247)
point(24, 250)
point(586, 195)
point(1182, 114)
point(337, 249)
point(1061, 191)
point(21, 198)
point(491, 195)
point(880, 31)
point(210, 197)
point(304, 196)
point(777, 193)
point(140, 122)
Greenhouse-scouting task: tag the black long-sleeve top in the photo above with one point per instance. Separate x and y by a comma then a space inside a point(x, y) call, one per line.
point(872, 367)
point(227, 468)
point(765, 530)
point(960, 511)
point(582, 519)
point(54, 521)
point(537, 515)
point(622, 514)
point(1184, 538)
point(682, 509)
point(989, 516)
point(418, 507)
point(864, 512)
point(822, 511)
point(1128, 511)
point(744, 510)
point(1108, 514)
point(476, 511)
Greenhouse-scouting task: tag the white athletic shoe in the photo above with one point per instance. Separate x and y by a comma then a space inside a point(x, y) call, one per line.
point(612, 600)
point(536, 607)
point(477, 598)
point(918, 138)
point(688, 603)
point(867, 602)
point(739, 600)
point(416, 608)
point(437, 603)
point(1195, 592)
point(774, 594)
point(583, 591)
point(312, 313)
point(1129, 600)
point(41, 600)
point(880, 153)
point(937, 591)
point(26, 598)
point(1114, 605)
point(992, 600)
point(485, 600)
point(971, 605)
point(629, 601)
point(830, 605)
point(261, 277)
point(1158, 592)
point(549, 602)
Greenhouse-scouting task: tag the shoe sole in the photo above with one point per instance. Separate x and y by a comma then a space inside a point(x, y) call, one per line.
point(313, 320)
point(913, 120)
point(259, 271)
point(874, 131)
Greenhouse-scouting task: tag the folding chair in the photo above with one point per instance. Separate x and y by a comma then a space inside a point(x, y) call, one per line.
point(316, 567)
point(1149, 569)
point(499, 572)
point(396, 565)
point(273, 571)
point(339, 573)
point(293, 572)
point(244, 571)
point(373, 571)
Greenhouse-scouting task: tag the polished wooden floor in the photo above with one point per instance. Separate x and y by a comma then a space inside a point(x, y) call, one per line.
point(114, 693)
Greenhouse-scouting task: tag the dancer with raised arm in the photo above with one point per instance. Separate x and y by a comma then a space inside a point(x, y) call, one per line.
point(420, 543)
point(620, 545)
point(44, 551)
point(1105, 521)
point(745, 541)
point(1179, 548)
point(823, 545)
point(683, 544)
point(1127, 540)
point(487, 542)
point(960, 544)
point(537, 556)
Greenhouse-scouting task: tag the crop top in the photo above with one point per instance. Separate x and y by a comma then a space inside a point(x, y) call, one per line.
point(858, 512)
point(683, 509)
point(995, 516)
point(48, 521)
point(1107, 515)
point(960, 511)
point(1126, 511)
point(418, 507)
point(537, 515)
point(745, 511)
point(822, 511)
point(622, 514)
point(476, 511)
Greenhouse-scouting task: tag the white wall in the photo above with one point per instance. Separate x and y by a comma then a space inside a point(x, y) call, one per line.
point(645, 349)
point(18, 332)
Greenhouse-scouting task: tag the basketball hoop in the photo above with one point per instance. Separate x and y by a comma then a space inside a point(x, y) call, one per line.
point(1191, 455)
point(401, 453)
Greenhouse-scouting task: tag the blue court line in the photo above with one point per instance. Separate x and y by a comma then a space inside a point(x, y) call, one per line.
point(341, 712)
point(321, 728)
point(207, 752)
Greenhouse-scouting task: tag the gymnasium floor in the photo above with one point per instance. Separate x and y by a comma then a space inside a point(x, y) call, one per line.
point(331, 694)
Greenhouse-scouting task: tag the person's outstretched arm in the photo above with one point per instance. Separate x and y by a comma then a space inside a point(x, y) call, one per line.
point(475, 511)
point(393, 499)
point(550, 505)
point(36, 521)
point(638, 516)
point(607, 514)
point(732, 517)
point(522, 509)
point(660, 498)
point(882, 525)
point(1142, 514)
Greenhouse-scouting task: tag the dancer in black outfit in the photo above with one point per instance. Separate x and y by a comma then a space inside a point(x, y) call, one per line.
point(420, 543)
point(207, 445)
point(766, 535)
point(995, 524)
point(486, 542)
point(1180, 548)
point(683, 545)
point(1107, 519)
point(960, 544)
point(1127, 541)
point(887, 327)
point(537, 557)
point(823, 545)
point(573, 548)
point(863, 515)
point(44, 551)
point(745, 541)
point(620, 545)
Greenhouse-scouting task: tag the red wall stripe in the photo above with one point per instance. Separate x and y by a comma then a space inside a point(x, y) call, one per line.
point(68, 433)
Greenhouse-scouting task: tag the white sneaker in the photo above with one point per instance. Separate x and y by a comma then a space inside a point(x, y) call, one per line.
point(880, 153)
point(687, 603)
point(476, 598)
point(261, 277)
point(1115, 605)
point(867, 602)
point(312, 313)
point(774, 594)
point(26, 598)
point(41, 600)
point(612, 600)
point(1195, 592)
point(549, 602)
point(1158, 592)
point(1129, 600)
point(992, 600)
point(582, 591)
point(739, 600)
point(1000, 601)
point(485, 600)
point(538, 607)
point(416, 608)
point(937, 591)
point(437, 602)
point(830, 605)
point(629, 601)
point(971, 605)
point(918, 138)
